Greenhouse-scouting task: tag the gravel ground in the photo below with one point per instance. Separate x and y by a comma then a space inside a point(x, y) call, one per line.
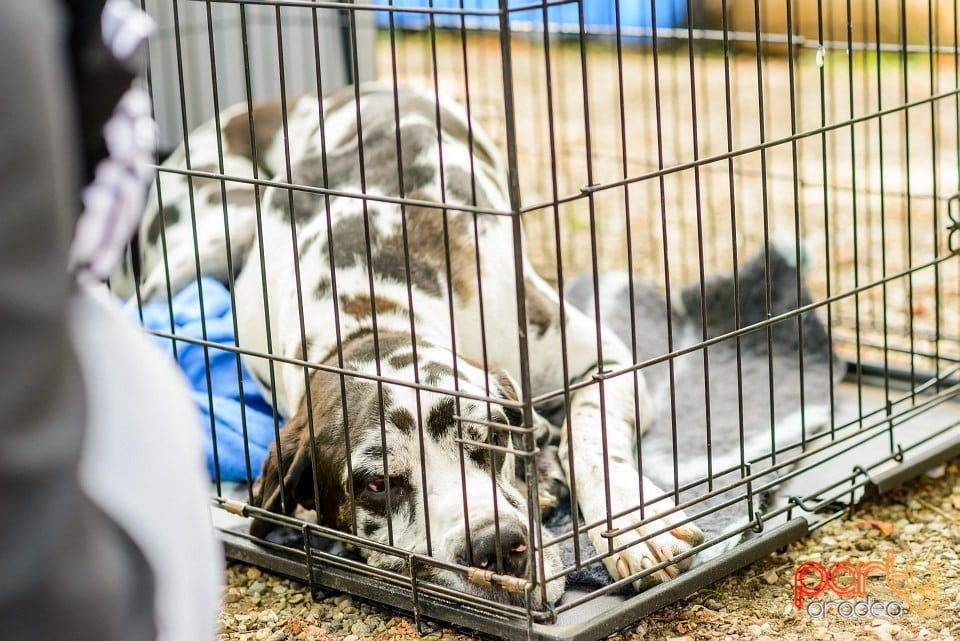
point(920, 523)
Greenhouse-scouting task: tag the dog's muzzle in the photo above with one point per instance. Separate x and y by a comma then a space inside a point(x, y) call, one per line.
point(500, 548)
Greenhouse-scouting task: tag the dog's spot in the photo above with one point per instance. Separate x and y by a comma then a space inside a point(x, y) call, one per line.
point(361, 306)
point(167, 216)
point(242, 137)
point(390, 256)
point(308, 240)
point(443, 245)
point(473, 434)
point(361, 346)
point(402, 360)
point(443, 239)
point(385, 168)
point(484, 455)
point(381, 160)
point(331, 170)
point(322, 289)
point(358, 306)
point(356, 336)
point(418, 176)
point(392, 265)
point(436, 372)
point(351, 236)
point(440, 418)
point(381, 123)
point(506, 389)
point(451, 123)
point(342, 168)
point(370, 528)
point(481, 457)
point(540, 310)
point(461, 187)
point(416, 140)
point(234, 197)
point(403, 420)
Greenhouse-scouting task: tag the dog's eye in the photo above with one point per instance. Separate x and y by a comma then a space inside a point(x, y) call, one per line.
point(376, 488)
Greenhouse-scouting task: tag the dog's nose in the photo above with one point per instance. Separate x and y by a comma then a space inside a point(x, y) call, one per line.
point(510, 538)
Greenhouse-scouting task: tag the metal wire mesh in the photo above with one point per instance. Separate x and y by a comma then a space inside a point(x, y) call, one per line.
point(774, 187)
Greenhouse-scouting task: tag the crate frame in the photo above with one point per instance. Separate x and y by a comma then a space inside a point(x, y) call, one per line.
point(586, 619)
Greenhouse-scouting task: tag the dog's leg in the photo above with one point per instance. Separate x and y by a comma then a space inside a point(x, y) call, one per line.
point(598, 450)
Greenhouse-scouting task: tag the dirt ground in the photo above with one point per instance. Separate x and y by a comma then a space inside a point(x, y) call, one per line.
point(919, 524)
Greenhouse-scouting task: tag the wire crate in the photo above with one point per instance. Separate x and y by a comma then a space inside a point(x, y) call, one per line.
point(759, 200)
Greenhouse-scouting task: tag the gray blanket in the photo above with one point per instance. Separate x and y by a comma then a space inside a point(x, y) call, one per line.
point(766, 395)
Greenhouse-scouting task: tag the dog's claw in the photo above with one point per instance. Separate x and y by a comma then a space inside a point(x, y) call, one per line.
point(662, 548)
point(689, 534)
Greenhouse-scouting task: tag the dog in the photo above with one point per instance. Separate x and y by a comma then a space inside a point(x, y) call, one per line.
point(411, 432)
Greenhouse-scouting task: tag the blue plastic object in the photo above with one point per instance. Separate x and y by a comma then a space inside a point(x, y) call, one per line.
point(599, 16)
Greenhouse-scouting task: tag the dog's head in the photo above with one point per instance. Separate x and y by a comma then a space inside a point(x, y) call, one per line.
point(436, 473)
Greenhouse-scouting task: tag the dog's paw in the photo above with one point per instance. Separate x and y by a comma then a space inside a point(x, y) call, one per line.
point(645, 554)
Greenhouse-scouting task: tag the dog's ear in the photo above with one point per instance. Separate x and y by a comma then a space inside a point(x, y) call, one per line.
point(544, 431)
point(504, 387)
point(551, 482)
point(286, 479)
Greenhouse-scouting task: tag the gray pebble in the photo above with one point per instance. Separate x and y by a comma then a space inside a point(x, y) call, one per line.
point(360, 628)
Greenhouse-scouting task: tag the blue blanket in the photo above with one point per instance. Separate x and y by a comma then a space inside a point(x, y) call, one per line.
point(236, 422)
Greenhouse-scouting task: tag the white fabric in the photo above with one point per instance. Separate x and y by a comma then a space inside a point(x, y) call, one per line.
point(113, 202)
point(124, 27)
point(142, 463)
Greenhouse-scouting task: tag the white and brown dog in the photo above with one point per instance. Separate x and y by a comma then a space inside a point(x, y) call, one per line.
point(369, 274)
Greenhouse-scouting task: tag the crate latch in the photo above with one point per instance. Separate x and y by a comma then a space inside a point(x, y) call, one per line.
point(953, 228)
